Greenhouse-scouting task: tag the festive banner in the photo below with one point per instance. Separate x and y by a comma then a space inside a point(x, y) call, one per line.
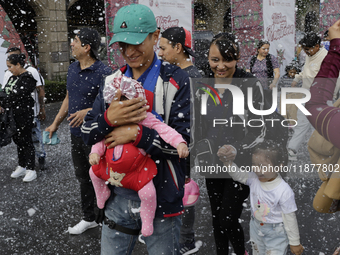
point(171, 13)
point(247, 24)
point(274, 21)
point(8, 38)
point(167, 13)
point(329, 13)
point(279, 30)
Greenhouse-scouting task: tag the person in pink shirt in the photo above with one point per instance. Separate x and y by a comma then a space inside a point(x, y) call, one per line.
point(126, 165)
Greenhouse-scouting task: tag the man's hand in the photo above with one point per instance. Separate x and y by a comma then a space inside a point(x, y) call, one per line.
point(227, 153)
point(122, 135)
point(296, 250)
point(271, 86)
point(77, 118)
point(51, 129)
point(125, 112)
point(334, 30)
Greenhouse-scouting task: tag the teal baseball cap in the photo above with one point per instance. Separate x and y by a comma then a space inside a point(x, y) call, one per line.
point(132, 24)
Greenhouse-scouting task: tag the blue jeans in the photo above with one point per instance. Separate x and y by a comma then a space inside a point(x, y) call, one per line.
point(164, 239)
point(268, 238)
point(37, 139)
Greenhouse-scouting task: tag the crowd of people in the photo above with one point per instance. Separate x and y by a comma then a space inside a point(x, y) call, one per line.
point(130, 135)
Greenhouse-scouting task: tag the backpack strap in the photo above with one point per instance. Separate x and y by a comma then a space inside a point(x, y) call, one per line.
point(113, 225)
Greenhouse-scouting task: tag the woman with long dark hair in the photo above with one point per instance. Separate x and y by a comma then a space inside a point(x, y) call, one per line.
point(264, 66)
point(18, 97)
point(227, 196)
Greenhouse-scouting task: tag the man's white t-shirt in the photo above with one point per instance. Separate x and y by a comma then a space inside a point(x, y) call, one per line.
point(37, 77)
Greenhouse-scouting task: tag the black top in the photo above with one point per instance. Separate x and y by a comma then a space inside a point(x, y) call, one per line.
point(17, 94)
point(193, 72)
point(242, 137)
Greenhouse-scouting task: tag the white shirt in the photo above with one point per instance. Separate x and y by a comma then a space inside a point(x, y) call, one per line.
point(271, 202)
point(311, 69)
point(267, 205)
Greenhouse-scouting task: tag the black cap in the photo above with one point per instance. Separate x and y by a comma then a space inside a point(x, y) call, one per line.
point(9, 50)
point(179, 35)
point(91, 37)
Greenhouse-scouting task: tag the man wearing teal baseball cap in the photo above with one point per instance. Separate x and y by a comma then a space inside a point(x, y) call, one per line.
point(167, 90)
point(133, 25)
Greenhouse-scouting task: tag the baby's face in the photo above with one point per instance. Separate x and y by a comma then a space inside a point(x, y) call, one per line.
point(262, 169)
point(292, 73)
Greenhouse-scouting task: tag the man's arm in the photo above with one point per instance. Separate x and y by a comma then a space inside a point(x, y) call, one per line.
point(297, 79)
point(41, 97)
point(62, 114)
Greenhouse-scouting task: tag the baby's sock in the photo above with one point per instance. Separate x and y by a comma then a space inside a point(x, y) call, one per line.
point(102, 190)
point(148, 204)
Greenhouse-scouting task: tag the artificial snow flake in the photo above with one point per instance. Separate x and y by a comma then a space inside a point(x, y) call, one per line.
point(31, 212)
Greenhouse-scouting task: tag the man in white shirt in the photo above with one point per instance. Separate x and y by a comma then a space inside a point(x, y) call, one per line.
point(315, 54)
point(39, 107)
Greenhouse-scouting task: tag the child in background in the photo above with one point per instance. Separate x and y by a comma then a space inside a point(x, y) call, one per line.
point(285, 82)
point(273, 223)
point(126, 165)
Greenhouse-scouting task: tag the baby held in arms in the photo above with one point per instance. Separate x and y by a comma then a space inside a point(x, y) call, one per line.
point(126, 165)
